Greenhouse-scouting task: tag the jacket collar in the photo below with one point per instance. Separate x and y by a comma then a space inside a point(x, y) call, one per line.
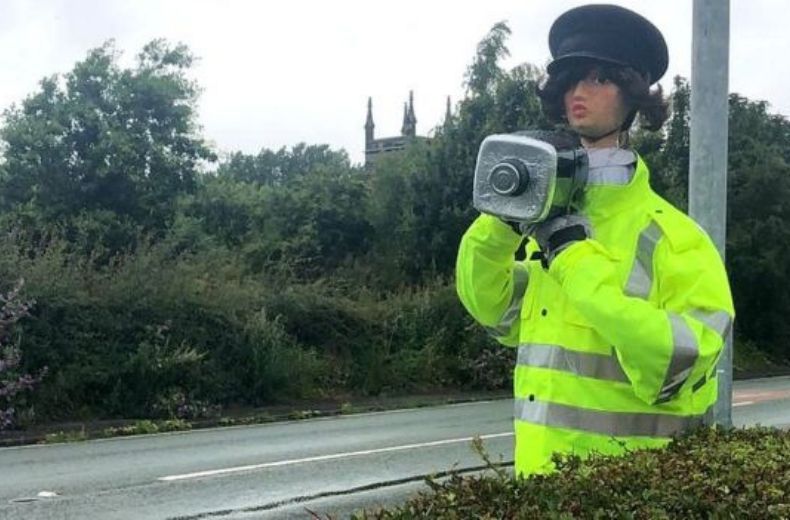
point(615, 183)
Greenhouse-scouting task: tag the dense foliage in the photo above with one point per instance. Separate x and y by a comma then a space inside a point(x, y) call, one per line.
point(14, 385)
point(101, 154)
point(153, 332)
point(708, 474)
point(165, 286)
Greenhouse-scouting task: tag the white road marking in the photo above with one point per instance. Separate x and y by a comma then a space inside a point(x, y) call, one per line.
point(318, 458)
point(742, 403)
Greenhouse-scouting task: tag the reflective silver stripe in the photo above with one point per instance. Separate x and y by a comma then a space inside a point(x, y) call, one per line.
point(610, 175)
point(640, 280)
point(719, 321)
point(520, 279)
point(618, 424)
point(707, 377)
point(597, 366)
point(684, 354)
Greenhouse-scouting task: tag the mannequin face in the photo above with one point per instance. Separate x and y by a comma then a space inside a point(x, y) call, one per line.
point(595, 109)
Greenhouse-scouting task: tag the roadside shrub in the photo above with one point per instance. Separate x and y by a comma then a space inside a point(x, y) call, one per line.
point(277, 365)
point(418, 339)
point(492, 367)
point(178, 406)
point(14, 385)
point(158, 368)
point(153, 334)
point(708, 473)
point(435, 342)
point(168, 333)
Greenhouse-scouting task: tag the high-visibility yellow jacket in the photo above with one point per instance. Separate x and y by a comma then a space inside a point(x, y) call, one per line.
point(618, 340)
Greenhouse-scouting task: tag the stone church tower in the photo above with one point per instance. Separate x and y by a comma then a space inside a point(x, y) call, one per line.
point(376, 147)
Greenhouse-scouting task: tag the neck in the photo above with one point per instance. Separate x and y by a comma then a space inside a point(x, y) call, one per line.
point(604, 141)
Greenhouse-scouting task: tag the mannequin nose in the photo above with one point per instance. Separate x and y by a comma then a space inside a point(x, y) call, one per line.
point(577, 90)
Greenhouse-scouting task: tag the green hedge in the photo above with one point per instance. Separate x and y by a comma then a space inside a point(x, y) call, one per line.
point(710, 473)
point(162, 334)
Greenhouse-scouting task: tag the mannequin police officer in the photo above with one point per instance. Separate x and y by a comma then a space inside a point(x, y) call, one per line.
point(619, 327)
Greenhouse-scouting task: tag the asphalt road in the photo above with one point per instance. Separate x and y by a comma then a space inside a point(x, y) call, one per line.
point(333, 465)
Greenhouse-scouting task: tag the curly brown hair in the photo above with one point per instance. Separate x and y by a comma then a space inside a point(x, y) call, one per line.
point(637, 95)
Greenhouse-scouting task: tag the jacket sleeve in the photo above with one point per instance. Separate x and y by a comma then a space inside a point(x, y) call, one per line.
point(667, 342)
point(490, 282)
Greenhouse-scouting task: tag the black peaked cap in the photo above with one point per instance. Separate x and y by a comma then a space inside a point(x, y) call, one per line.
point(608, 33)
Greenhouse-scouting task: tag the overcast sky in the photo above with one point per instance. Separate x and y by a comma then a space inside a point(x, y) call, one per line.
point(276, 73)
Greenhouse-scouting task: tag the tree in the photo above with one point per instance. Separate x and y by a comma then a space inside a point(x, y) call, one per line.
point(427, 190)
point(106, 139)
point(758, 239)
point(298, 210)
point(667, 153)
point(484, 72)
point(272, 168)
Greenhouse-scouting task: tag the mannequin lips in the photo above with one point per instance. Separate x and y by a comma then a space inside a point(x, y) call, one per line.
point(578, 110)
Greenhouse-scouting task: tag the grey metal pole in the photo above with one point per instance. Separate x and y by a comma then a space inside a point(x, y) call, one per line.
point(708, 150)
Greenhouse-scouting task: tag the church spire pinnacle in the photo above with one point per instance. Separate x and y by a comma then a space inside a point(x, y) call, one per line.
point(412, 117)
point(404, 129)
point(369, 126)
point(409, 119)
